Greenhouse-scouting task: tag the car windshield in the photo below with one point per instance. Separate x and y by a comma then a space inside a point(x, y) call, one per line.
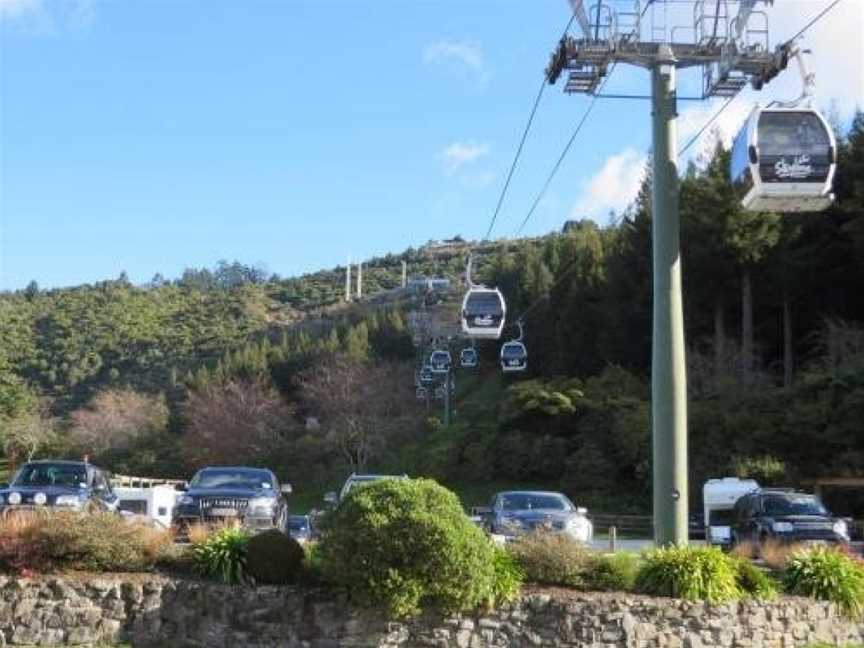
point(231, 478)
point(68, 475)
point(794, 505)
point(298, 524)
point(530, 501)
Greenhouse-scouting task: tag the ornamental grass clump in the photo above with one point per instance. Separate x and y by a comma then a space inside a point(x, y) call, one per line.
point(693, 573)
point(222, 556)
point(98, 542)
point(829, 575)
point(401, 545)
point(754, 583)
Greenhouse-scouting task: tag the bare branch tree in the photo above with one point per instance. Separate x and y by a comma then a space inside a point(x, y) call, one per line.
point(26, 434)
point(359, 404)
point(234, 421)
point(115, 417)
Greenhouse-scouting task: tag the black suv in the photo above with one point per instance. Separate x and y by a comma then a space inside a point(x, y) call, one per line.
point(68, 485)
point(251, 496)
point(786, 516)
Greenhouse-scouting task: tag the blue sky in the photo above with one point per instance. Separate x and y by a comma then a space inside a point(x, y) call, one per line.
point(150, 136)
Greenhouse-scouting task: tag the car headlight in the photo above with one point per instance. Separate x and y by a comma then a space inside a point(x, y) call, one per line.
point(40, 498)
point(841, 529)
point(186, 500)
point(782, 527)
point(67, 500)
point(262, 506)
point(15, 498)
point(579, 527)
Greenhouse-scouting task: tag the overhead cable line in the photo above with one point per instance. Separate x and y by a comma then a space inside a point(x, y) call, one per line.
point(527, 128)
point(714, 117)
point(564, 152)
point(597, 95)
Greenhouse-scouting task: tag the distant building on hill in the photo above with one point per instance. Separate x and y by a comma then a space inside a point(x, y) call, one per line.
point(446, 247)
point(427, 284)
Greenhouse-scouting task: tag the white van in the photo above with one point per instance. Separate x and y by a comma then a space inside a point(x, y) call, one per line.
point(719, 497)
point(155, 502)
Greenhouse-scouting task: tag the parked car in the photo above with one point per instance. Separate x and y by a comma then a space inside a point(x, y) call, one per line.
point(353, 481)
point(58, 484)
point(719, 497)
point(300, 528)
point(785, 516)
point(252, 497)
point(515, 513)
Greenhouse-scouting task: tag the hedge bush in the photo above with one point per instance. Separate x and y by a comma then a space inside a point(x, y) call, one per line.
point(274, 558)
point(753, 582)
point(552, 559)
point(694, 573)
point(612, 572)
point(827, 574)
point(404, 544)
point(99, 542)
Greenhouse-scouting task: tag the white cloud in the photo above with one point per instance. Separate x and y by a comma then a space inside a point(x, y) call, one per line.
point(48, 16)
point(458, 154)
point(613, 187)
point(19, 8)
point(464, 56)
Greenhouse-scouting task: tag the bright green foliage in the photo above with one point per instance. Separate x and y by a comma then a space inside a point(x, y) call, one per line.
point(536, 397)
point(829, 575)
point(552, 559)
point(754, 582)
point(274, 558)
point(612, 572)
point(404, 544)
point(223, 556)
point(693, 573)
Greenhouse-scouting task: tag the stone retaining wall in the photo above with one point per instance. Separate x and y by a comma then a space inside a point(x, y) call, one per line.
point(153, 611)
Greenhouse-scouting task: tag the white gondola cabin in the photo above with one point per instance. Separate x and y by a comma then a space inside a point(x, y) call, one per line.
point(483, 313)
point(426, 376)
point(514, 356)
point(468, 358)
point(440, 361)
point(783, 160)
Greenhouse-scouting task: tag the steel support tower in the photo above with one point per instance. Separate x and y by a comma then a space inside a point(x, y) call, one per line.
point(732, 50)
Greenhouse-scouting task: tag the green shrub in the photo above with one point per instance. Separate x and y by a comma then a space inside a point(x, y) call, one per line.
point(551, 559)
point(612, 572)
point(508, 576)
point(829, 575)
point(101, 542)
point(754, 582)
point(694, 573)
point(401, 544)
point(223, 555)
point(274, 558)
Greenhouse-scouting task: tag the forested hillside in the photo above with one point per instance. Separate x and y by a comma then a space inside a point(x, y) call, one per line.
point(231, 364)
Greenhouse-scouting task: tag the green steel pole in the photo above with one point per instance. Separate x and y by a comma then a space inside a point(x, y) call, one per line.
point(668, 371)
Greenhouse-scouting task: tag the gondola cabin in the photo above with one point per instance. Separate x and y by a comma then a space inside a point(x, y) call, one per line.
point(422, 393)
point(483, 313)
point(514, 357)
point(426, 376)
point(783, 160)
point(468, 358)
point(440, 361)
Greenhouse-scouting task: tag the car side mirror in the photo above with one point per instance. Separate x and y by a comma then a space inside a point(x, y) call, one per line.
point(331, 498)
point(286, 489)
point(182, 487)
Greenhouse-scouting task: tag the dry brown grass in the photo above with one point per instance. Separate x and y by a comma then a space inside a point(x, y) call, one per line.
point(772, 552)
point(48, 541)
point(199, 532)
